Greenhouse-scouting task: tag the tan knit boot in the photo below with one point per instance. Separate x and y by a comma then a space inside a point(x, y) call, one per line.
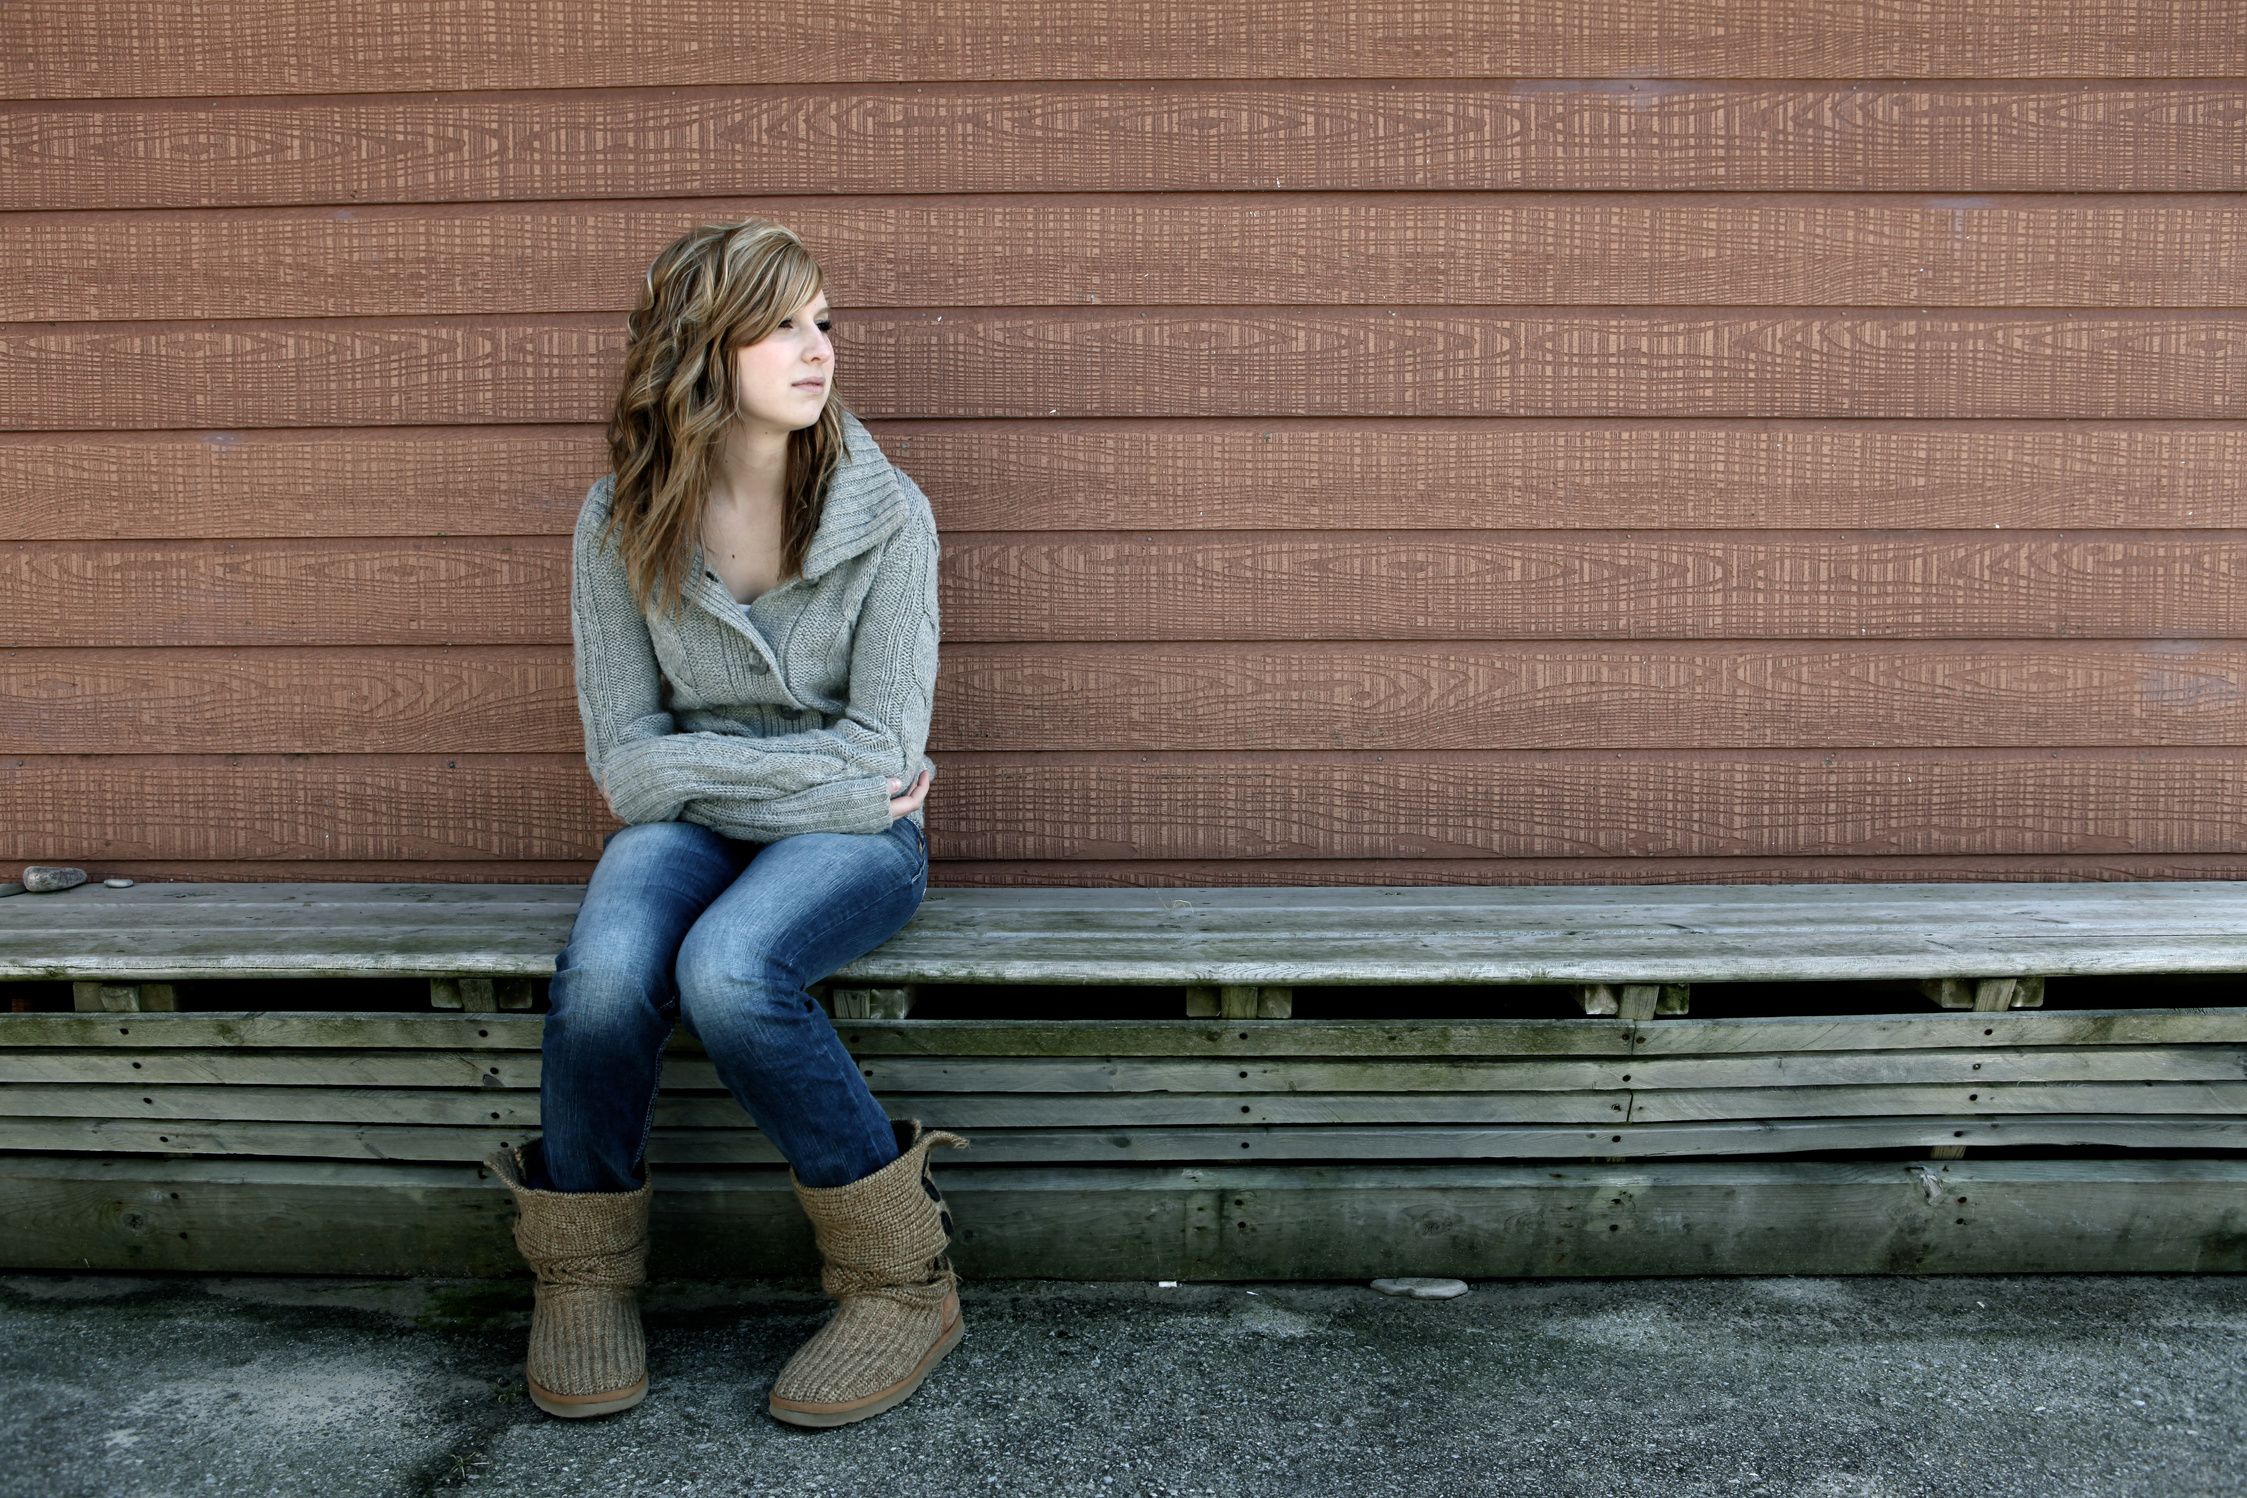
point(589, 1250)
point(883, 1240)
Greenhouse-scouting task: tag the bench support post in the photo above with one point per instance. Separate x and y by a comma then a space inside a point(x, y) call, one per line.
point(480, 995)
point(1634, 1001)
point(873, 1003)
point(124, 998)
point(1985, 995)
point(1239, 1001)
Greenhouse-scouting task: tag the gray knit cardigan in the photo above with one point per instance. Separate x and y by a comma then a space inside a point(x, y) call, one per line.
point(789, 715)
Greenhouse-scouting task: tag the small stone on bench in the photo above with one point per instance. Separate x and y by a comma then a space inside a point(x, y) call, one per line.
point(117, 883)
point(1422, 1289)
point(10, 888)
point(47, 879)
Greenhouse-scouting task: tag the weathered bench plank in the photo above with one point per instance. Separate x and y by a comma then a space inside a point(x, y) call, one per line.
point(1237, 1223)
point(516, 1069)
point(471, 1107)
point(1065, 1037)
point(1498, 1141)
point(1637, 934)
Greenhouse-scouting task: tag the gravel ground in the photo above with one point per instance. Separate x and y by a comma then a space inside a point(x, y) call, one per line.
point(1838, 1388)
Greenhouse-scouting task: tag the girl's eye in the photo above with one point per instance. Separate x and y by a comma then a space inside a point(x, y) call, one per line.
point(826, 326)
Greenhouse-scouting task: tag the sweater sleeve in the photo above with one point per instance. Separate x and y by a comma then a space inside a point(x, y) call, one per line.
point(833, 779)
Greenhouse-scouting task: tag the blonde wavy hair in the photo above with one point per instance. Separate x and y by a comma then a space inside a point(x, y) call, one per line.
point(711, 291)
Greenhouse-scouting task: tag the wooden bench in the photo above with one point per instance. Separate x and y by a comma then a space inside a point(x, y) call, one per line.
point(1235, 1142)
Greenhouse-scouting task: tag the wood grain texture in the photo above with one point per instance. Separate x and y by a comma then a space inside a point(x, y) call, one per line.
point(1119, 697)
point(1115, 873)
point(1074, 1076)
point(142, 47)
point(381, 701)
point(1873, 1038)
point(1167, 362)
point(1643, 585)
point(1247, 249)
point(1255, 1143)
point(1792, 934)
point(1372, 135)
point(1113, 1223)
point(1283, 473)
point(213, 593)
point(1314, 873)
point(1593, 804)
point(404, 481)
point(1712, 696)
point(1307, 586)
point(303, 807)
point(1618, 804)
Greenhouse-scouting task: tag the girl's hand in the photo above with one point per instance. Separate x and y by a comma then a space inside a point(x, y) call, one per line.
point(910, 801)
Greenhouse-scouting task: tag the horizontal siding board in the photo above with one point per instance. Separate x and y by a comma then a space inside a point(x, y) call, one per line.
point(1621, 804)
point(1189, 873)
point(1333, 696)
point(1247, 249)
point(1329, 697)
point(278, 807)
point(1316, 873)
point(1165, 362)
point(1615, 135)
point(1594, 804)
point(1285, 473)
point(145, 47)
point(1641, 585)
point(521, 699)
point(303, 701)
point(216, 593)
point(1315, 586)
point(404, 481)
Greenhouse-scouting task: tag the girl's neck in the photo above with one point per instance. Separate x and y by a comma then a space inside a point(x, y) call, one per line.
point(752, 467)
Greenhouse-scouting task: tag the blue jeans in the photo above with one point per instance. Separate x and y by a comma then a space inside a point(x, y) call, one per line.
point(683, 923)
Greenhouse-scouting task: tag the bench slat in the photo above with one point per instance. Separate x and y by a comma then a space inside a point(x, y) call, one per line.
point(1680, 934)
point(340, 1068)
point(1397, 1039)
point(519, 1109)
point(1123, 1145)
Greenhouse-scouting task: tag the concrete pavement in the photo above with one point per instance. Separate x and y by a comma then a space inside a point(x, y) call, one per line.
point(1826, 1388)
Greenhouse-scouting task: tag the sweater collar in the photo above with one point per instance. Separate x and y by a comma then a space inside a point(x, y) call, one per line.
point(865, 504)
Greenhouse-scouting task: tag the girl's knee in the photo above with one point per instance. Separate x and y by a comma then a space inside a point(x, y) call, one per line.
point(721, 989)
point(605, 997)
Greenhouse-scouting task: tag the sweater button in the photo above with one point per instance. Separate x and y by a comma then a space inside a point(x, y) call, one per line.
point(757, 668)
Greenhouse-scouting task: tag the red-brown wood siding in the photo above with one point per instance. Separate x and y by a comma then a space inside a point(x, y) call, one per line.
point(1571, 440)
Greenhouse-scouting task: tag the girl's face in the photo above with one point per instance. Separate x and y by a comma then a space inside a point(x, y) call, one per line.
point(784, 377)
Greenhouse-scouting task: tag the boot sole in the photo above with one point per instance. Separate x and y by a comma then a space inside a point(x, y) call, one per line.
point(584, 1406)
point(824, 1416)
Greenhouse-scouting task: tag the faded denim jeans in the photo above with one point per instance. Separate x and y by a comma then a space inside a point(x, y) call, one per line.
point(683, 924)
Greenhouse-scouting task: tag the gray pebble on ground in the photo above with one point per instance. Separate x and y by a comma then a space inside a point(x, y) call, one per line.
point(47, 879)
